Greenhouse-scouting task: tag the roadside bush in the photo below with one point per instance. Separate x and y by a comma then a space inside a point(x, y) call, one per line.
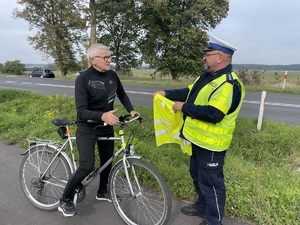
point(250, 78)
point(14, 67)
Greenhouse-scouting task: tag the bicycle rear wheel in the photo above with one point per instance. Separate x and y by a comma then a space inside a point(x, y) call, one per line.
point(151, 202)
point(43, 182)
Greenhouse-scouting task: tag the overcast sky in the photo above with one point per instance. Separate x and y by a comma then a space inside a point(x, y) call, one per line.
point(264, 32)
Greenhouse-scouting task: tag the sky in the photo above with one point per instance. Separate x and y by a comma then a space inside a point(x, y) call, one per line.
point(264, 32)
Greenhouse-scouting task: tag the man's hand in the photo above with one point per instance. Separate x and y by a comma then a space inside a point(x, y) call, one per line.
point(177, 106)
point(110, 118)
point(134, 113)
point(162, 93)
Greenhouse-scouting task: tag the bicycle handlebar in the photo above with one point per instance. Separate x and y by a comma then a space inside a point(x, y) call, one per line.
point(123, 119)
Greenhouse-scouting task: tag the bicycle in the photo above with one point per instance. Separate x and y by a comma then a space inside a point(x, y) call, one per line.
point(138, 191)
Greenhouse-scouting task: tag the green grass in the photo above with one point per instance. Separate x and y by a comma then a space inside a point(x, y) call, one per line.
point(263, 184)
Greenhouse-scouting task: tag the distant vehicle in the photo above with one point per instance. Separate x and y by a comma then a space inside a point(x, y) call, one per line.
point(42, 73)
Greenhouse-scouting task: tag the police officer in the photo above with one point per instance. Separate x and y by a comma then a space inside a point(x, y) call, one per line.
point(210, 107)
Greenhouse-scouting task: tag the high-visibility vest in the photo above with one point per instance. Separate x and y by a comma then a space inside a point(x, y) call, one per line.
point(217, 93)
point(167, 124)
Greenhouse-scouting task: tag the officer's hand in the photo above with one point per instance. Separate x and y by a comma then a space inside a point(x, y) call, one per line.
point(177, 106)
point(162, 93)
point(110, 118)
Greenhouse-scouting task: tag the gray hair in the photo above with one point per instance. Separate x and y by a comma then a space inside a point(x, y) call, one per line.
point(94, 48)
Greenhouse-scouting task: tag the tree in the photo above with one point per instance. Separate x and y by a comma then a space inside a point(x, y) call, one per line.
point(93, 7)
point(97, 5)
point(60, 29)
point(119, 30)
point(175, 35)
point(14, 67)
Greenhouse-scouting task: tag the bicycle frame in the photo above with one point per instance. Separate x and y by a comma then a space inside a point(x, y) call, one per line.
point(91, 176)
point(127, 154)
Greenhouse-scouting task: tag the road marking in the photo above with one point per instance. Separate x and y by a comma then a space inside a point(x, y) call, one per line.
point(55, 85)
point(251, 102)
point(283, 104)
point(273, 104)
point(148, 93)
point(137, 92)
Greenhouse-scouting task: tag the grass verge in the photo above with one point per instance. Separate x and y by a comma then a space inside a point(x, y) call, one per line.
point(261, 170)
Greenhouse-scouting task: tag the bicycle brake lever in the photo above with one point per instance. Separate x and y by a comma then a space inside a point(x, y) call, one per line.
point(123, 117)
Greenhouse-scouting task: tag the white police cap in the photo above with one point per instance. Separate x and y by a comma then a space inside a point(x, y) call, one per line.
point(218, 44)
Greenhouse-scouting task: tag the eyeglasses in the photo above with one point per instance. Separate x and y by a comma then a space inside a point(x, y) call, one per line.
point(105, 58)
point(206, 55)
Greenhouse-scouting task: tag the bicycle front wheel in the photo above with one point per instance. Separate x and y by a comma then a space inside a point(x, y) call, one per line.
point(43, 176)
point(150, 202)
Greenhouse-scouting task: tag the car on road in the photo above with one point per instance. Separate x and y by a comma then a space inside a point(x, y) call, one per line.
point(42, 73)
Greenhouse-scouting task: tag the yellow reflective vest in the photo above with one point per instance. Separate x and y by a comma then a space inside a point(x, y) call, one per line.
point(167, 124)
point(217, 93)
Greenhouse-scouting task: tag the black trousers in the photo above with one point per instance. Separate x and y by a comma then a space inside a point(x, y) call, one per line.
point(86, 139)
point(206, 169)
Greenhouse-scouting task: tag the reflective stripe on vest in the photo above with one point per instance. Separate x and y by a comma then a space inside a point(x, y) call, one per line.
point(167, 124)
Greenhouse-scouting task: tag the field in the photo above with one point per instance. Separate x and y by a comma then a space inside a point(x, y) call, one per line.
point(271, 81)
point(267, 77)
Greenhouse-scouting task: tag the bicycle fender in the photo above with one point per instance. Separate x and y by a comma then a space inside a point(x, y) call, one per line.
point(134, 157)
point(130, 157)
point(25, 153)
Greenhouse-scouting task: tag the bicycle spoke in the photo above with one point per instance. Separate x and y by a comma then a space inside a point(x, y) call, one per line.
point(43, 178)
point(150, 203)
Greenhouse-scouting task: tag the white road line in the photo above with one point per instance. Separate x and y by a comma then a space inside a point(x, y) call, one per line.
point(283, 104)
point(55, 85)
point(273, 104)
point(148, 93)
point(138, 92)
point(251, 102)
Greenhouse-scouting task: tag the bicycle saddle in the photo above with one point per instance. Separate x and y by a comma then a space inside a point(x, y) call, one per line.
point(62, 122)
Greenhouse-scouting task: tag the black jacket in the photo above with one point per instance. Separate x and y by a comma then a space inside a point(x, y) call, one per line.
point(95, 93)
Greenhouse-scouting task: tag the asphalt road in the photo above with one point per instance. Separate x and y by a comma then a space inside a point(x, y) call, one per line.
point(278, 107)
point(15, 209)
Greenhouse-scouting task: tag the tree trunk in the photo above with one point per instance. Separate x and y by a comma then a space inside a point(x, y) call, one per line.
point(93, 22)
point(173, 74)
point(93, 7)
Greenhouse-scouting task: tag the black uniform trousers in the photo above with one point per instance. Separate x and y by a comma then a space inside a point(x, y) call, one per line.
point(206, 169)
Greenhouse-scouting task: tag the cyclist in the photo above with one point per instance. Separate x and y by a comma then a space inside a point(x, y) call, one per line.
point(95, 91)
